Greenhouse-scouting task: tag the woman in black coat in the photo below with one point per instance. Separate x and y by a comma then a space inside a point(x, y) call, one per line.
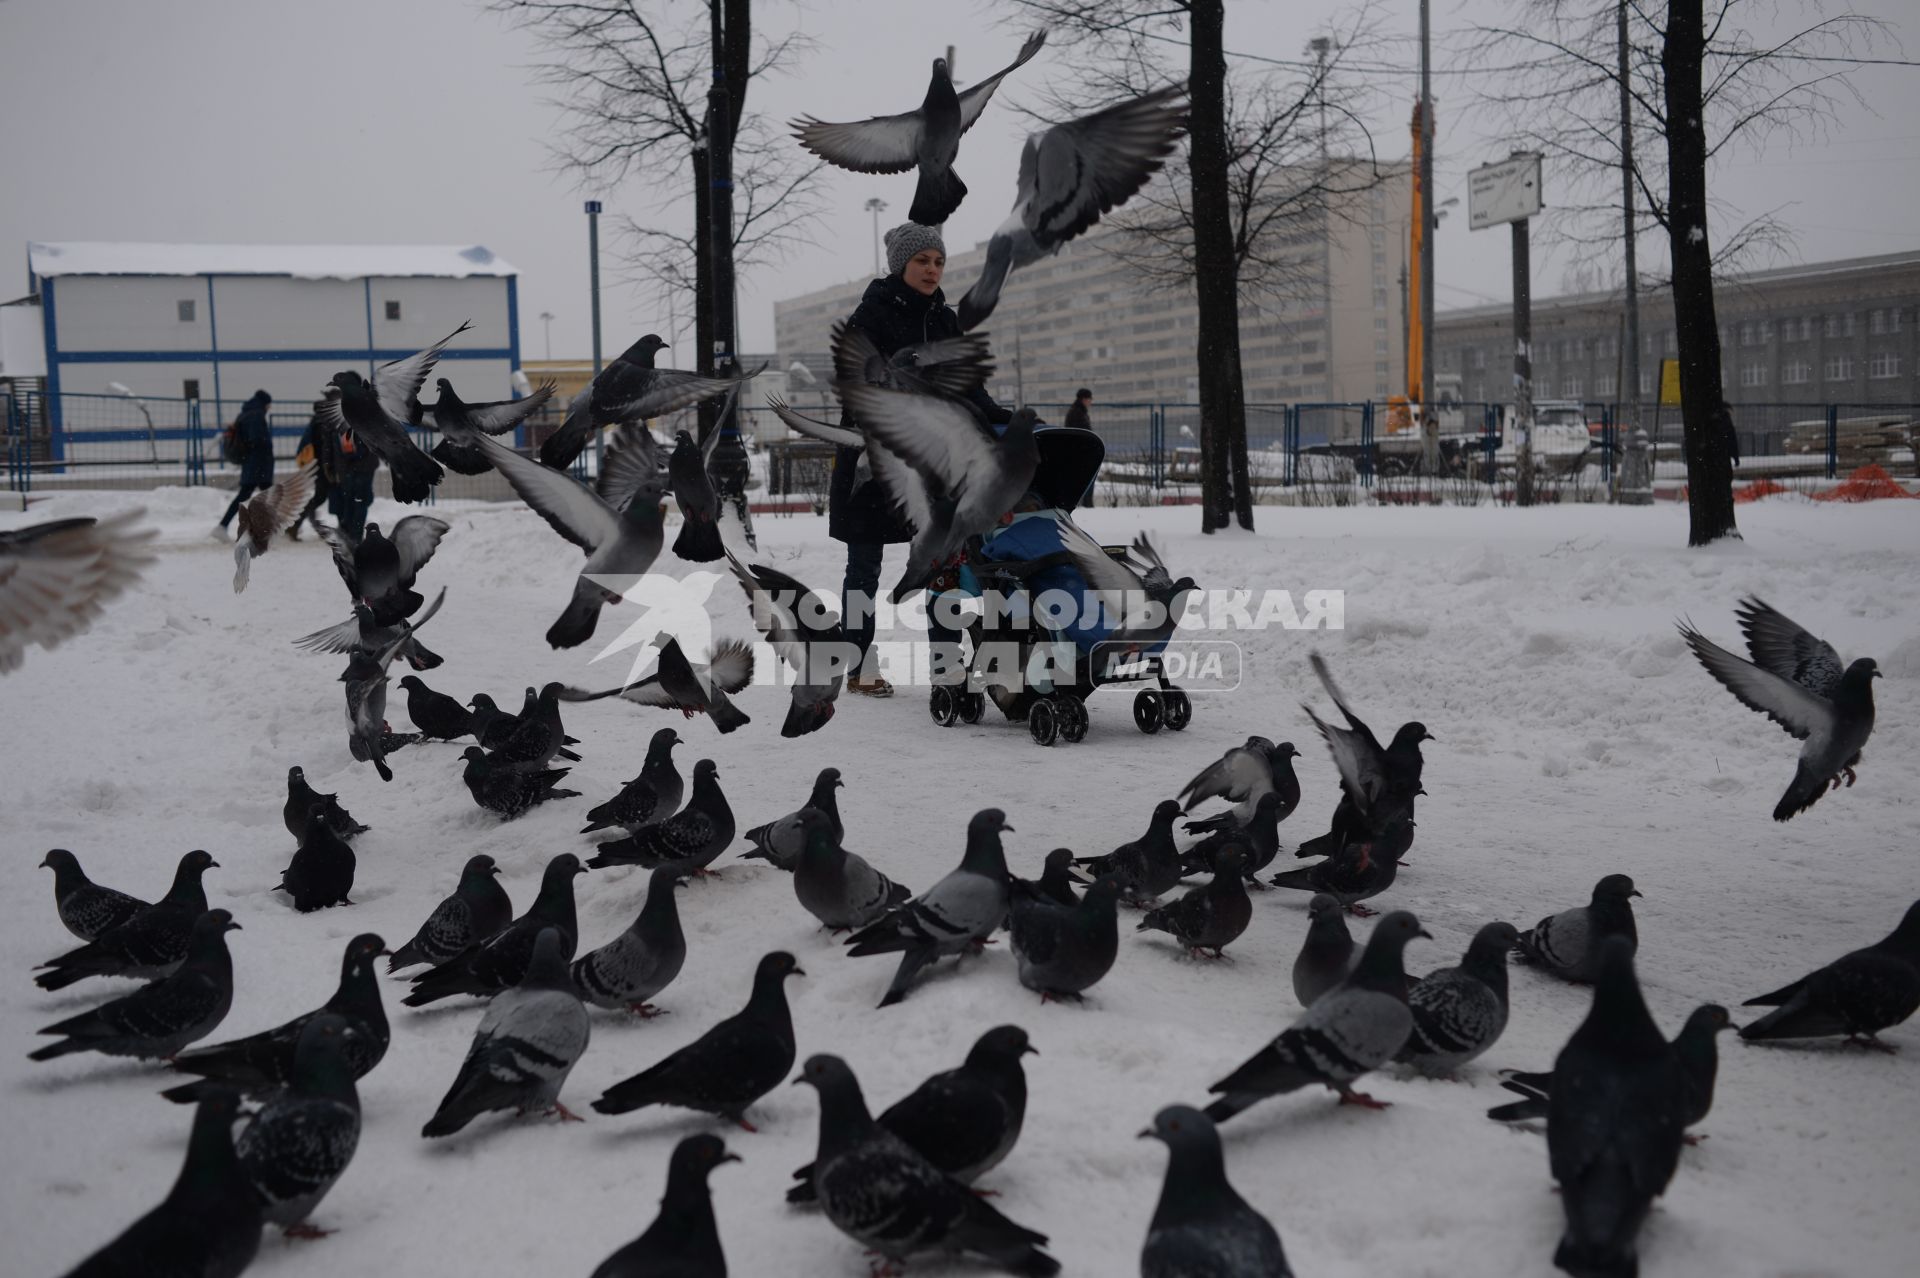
point(904, 309)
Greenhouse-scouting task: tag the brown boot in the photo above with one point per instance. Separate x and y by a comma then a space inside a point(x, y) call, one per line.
point(870, 687)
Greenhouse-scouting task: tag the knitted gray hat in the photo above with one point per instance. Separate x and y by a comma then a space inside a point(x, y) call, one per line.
point(907, 239)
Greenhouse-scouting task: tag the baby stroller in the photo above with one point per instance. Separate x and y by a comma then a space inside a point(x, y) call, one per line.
point(1056, 668)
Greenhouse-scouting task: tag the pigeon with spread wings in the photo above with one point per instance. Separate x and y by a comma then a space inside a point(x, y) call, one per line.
point(267, 515)
point(460, 423)
point(376, 413)
point(689, 687)
point(628, 391)
point(54, 578)
point(806, 635)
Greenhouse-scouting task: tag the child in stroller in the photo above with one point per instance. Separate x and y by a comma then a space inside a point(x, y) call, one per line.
point(1036, 663)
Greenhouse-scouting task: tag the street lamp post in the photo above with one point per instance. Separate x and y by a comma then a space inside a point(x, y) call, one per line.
point(876, 206)
point(546, 319)
point(153, 447)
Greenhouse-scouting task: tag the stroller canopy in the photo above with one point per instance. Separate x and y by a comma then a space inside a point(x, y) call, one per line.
point(1069, 459)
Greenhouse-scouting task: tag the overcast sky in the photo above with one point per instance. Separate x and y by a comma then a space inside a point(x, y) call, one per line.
point(419, 121)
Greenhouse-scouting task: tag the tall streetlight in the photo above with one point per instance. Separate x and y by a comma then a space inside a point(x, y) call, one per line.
point(876, 206)
point(153, 447)
point(546, 318)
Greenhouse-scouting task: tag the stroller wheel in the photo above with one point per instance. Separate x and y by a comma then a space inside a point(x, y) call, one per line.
point(972, 706)
point(1043, 722)
point(1148, 712)
point(943, 705)
point(1179, 710)
point(1073, 717)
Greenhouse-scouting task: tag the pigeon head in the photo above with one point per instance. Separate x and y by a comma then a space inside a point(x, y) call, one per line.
point(481, 866)
point(1907, 935)
point(210, 926)
point(663, 742)
point(1104, 894)
point(564, 867)
point(642, 351)
point(1002, 1043)
point(1231, 863)
point(481, 701)
point(1182, 1126)
point(990, 821)
point(775, 967)
point(1615, 887)
point(474, 754)
point(411, 683)
point(1397, 929)
point(1285, 750)
point(1060, 861)
point(706, 770)
point(1495, 939)
point(60, 861)
point(1166, 812)
point(940, 70)
point(319, 1054)
point(364, 949)
point(373, 531)
point(830, 778)
point(815, 826)
point(347, 381)
point(446, 388)
point(548, 966)
point(1323, 905)
point(1410, 736)
point(296, 774)
point(695, 1156)
point(1708, 1019)
point(197, 861)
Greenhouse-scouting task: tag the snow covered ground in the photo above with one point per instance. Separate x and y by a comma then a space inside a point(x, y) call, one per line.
point(1576, 737)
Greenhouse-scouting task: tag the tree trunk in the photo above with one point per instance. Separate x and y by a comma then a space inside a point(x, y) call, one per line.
point(1708, 433)
point(1223, 413)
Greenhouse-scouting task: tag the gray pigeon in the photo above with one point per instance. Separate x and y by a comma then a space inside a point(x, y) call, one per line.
point(477, 910)
point(87, 909)
point(56, 577)
point(616, 523)
point(730, 1066)
point(380, 571)
point(1858, 994)
point(885, 1195)
point(806, 636)
point(779, 841)
point(1201, 1226)
point(1258, 838)
point(156, 1021)
point(960, 911)
point(1567, 944)
point(964, 1121)
point(1241, 776)
point(460, 424)
point(688, 686)
point(300, 800)
point(836, 886)
point(538, 736)
point(361, 634)
point(376, 413)
point(1459, 1012)
point(927, 138)
point(368, 737)
point(1327, 954)
point(208, 1226)
point(302, 1139)
point(1358, 871)
point(321, 872)
point(1146, 867)
point(683, 1240)
point(1072, 174)
point(501, 960)
point(150, 944)
point(690, 839)
point(1797, 681)
point(1136, 588)
point(1065, 950)
point(527, 1044)
point(1353, 1028)
point(1208, 918)
point(1615, 1122)
point(643, 960)
point(652, 796)
point(627, 392)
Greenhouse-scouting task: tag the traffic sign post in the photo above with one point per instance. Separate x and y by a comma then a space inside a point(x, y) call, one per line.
point(1509, 191)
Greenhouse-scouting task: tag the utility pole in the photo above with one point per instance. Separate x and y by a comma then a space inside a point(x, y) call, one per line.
point(730, 461)
point(1429, 420)
point(593, 274)
point(1321, 46)
point(1522, 363)
point(876, 206)
point(1630, 395)
point(546, 320)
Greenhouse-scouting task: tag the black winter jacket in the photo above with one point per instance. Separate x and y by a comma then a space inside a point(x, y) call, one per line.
point(255, 436)
point(894, 316)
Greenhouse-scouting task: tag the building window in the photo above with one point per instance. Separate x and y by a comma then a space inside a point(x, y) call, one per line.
point(1479, 357)
point(185, 308)
point(1753, 373)
point(1840, 368)
point(1876, 322)
point(1646, 381)
point(1570, 387)
point(393, 310)
point(1840, 325)
point(1795, 372)
point(1749, 335)
point(1766, 330)
point(1673, 342)
point(1603, 384)
point(1893, 320)
point(1884, 364)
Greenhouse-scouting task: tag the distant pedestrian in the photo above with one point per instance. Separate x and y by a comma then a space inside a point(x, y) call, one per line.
point(353, 485)
point(252, 447)
point(321, 447)
point(1077, 415)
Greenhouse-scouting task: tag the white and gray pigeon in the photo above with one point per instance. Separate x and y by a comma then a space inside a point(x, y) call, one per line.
point(836, 886)
point(691, 687)
point(529, 1041)
point(1140, 591)
point(1147, 866)
point(1064, 950)
point(616, 523)
point(472, 915)
point(627, 392)
point(652, 796)
point(1567, 944)
point(1797, 681)
point(927, 138)
point(150, 944)
point(87, 909)
point(1240, 781)
point(1200, 1226)
point(376, 414)
point(885, 1195)
point(156, 1021)
point(266, 516)
point(689, 840)
point(1071, 175)
point(1352, 1029)
point(683, 1241)
point(303, 1137)
point(460, 424)
point(1326, 956)
point(1459, 1012)
point(1858, 994)
point(805, 635)
point(629, 970)
point(959, 912)
point(57, 577)
point(368, 738)
point(778, 842)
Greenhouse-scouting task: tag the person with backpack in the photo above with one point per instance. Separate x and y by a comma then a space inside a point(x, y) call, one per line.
point(318, 446)
point(249, 441)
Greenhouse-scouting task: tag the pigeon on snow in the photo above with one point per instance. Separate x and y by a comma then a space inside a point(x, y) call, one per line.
point(87, 909)
point(321, 872)
point(502, 960)
point(1147, 866)
point(779, 841)
point(476, 910)
point(1200, 1225)
point(1695, 1045)
point(1358, 871)
point(1459, 1012)
point(270, 513)
point(150, 944)
point(1258, 839)
point(529, 1041)
point(1377, 784)
point(1858, 994)
point(689, 687)
point(927, 138)
point(1064, 950)
point(460, 424)
point(1567, 944)
point(1241, 776)
point(627, 392)
point(1056, 878)
point(683, 1240)
point(304, 1136)
point(301, 798)
point(57, 577)
point(1798, 682)
point(507, 789)
point(1212, 917)
point(960, 911)
point(836, 886)
point(156, 1021)
point(643, 960)
point(1326, 956)
point(437, 716)
point(652, 796)
point(689, 840)
point(376, 414)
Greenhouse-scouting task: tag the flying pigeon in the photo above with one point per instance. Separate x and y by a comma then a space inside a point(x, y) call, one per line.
point(1071, 175)
point(361, 635)
point(376, 413)
point(682, 1241)
point(501, 787)
point(1459, 1012)
point(472, 915)
point(805, 635)
point(321, 872)
point(1140, 591)
point(1147, 866)
point(56, 577)
point(1064, 950)
point(461, 423)
point(690, 839)
point(1695, 1045)
point(151, 944)
point(1210, 917)
point(502, 960)
point(616, 523)
point(1239, 776)
point(380, 570)
point(1858, 994)
point(156, 1021)
point(629, 970)
point(625, 393)
point(368, 737)
point(301, 799)
point(1258, 839)
point(1798, 682)
point(208, 1226)
point(836, 886)
point(304, 1136)
point(887, 1196)
point(778, 842)
point(87, 909)
point(1355, 1027)
point(1358, 871)
point(927, 138)
point(679, 684)
point(730, 1066)
point(1567, 944)
point(262, 1063)
point(699, 502)
point(652, 796)
point(270, 513)
point(1200, 1225)
point(961, 910)
point(964, 1121)
point(1615, 1121)
point(1326, 956)
point(1377, 785)
point(529, 1041)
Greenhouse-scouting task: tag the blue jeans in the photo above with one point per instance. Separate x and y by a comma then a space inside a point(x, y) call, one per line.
point(863, 579)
